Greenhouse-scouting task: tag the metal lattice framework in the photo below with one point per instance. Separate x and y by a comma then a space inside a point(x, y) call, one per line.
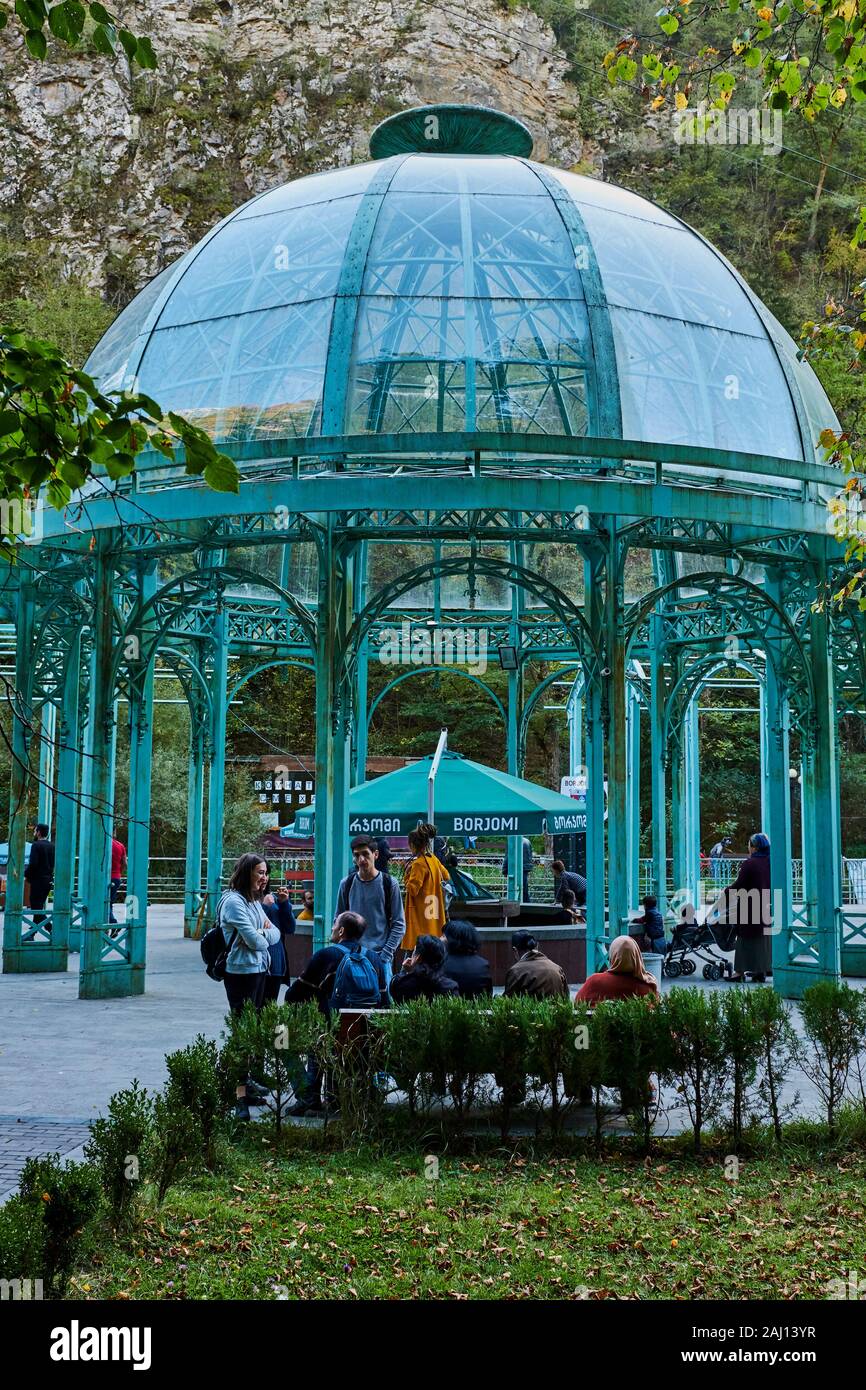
point(494, 366)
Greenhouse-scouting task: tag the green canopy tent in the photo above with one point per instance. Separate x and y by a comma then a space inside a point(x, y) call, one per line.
point(471, 799)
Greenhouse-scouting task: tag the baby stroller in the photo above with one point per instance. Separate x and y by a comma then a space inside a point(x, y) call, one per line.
point(704, 940)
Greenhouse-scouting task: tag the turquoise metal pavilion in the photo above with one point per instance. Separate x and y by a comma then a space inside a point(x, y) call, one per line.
point(524, 378)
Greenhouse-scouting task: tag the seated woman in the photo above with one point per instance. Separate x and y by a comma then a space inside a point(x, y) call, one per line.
point(423, 975)
point(464, 962)
point(624, 977)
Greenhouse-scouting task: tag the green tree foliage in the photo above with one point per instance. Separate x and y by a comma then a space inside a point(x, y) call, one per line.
point(803, 59)
point(73, 22)
point(38, 293)
point(57, 429)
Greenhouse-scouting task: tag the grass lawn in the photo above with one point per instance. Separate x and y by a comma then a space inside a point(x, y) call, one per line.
point(338, 1225)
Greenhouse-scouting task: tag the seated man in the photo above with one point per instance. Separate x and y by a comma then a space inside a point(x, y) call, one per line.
point(653, 926)
point(532, 972)
point(320, 981)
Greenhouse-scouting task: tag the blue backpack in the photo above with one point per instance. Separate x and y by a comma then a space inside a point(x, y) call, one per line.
point(356, 983)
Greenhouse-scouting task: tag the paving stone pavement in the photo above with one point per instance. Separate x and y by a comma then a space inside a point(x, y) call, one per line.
point(32, 1137)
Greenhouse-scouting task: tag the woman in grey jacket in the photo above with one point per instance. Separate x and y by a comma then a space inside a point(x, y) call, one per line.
point(248, 934)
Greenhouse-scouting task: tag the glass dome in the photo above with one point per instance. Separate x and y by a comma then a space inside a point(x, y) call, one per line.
point(430, 292)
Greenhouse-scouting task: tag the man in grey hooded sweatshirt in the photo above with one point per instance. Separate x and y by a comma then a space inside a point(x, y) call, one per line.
point(375, 896)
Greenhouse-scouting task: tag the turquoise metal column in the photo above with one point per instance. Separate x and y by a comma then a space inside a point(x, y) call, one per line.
point(85, 797)
point(596, 921)
point(691, 803)
point(685, 807)
point(574, 716)
point(822, 848)
point(26, 946)
point(47, 737)
point(764, 735)
point(514, 842)
point(359, 761)
point(677, 798)
point(805, 865)
point(141, 671)
point(106, 969)
point(217, 770)
point(617, 756)
point(658, 762)
point(69, 758)
point(632, 715)
point(778, 817)
point(332, 735)
point(84, 769)
point(194, 815)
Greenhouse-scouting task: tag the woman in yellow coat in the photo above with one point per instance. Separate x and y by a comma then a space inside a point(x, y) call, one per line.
point(425, 895)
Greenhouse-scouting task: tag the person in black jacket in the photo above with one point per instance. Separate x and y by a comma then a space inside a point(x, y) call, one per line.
point(278, 910)
point(317, 982)
point(40, 871)
point(746, 906)
point(423, 974)
point(653, 926)
point(464, 963)
point(563, 879)
point(568, 913)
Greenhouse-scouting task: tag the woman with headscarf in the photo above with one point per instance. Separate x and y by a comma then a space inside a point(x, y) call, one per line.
point(625, 975)
point(746, 906)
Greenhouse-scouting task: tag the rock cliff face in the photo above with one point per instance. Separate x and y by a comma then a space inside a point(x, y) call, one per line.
point(122, 172)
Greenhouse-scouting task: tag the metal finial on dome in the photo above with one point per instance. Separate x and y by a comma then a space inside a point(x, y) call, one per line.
point(450, 128)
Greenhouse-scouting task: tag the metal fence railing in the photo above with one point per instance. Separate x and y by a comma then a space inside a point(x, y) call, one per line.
point(167, 876)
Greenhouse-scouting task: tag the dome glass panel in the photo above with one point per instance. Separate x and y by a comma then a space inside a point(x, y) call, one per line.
point(464, 292)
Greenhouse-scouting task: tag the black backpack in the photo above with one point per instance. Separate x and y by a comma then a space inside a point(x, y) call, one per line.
point(214, 951)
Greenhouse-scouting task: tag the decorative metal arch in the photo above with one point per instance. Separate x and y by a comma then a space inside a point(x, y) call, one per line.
point(268, 666)
point(692, 681)
point(190, 589)
point(437, 671)
point(535, 695)
point(732, 590)
point(571, 616)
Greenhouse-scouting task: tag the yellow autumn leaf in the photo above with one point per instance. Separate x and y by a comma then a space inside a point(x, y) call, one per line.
point(839, 97)
point(766, 14)
point(681, 101)
point(847, 10)
point(657, 102)
point(738, 46)
point(860, 341)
